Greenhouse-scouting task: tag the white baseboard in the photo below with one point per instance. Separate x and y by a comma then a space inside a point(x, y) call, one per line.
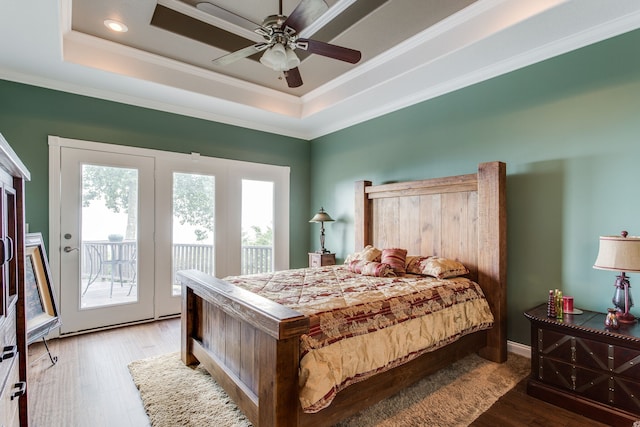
point(519, 349)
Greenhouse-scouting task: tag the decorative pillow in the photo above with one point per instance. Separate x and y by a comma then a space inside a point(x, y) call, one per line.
point(412, 264)
point(396, 258)
point(371, 268)
point(438, 267)
point(369, 253)
point(355, 266)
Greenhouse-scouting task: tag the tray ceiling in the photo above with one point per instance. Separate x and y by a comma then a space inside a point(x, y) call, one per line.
point(412, 50)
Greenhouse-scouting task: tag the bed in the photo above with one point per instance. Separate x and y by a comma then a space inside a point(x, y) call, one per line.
point(251, 345)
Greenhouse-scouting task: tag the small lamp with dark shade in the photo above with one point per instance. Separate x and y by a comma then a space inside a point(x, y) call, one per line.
point(321, 217)
point(620, 253)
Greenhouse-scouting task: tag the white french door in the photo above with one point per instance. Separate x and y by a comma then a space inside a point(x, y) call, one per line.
point(107, 228)
point(123, 220)
point(190, 226)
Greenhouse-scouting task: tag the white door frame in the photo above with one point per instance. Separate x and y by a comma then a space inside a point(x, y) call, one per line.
point(229, 174)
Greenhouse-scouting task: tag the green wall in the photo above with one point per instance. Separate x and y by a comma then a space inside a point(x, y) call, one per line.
point(569, 131)
point(28, 114)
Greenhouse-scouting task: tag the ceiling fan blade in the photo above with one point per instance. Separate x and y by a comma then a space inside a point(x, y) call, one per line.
point(239, 54)
point(329, 50)
point(305, 13)
point(225, 15)
point(294, 79)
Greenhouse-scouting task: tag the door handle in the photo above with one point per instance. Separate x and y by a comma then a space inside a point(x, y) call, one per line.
point(6, 247)
point(68, 249)
point(10, 257)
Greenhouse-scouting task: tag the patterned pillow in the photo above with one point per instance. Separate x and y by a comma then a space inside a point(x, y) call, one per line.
point(396, 258)
point(438, 267)
point(369, 253)
point(412, 264)
point(371, 268)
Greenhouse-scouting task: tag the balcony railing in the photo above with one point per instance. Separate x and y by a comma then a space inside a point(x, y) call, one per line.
point(193, 256)
point(256, 259)
point(102, 259)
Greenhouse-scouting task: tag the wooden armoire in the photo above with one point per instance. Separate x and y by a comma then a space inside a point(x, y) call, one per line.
point(13, 339)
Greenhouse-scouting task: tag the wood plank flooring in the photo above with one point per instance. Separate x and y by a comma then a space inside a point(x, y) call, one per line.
point(90, 386)
point(518, 409)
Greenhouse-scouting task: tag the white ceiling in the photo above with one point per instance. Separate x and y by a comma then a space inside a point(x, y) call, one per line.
point(413, 50)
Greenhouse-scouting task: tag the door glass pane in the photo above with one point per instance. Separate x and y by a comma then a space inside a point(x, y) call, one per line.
point(257, 227)
point(193, 224)
point(109, 221)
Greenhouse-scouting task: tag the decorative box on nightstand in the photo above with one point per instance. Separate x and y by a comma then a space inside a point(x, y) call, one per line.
point(318, 260)
point(579, 365)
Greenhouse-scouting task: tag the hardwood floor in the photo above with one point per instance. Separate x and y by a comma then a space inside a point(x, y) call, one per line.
point(90, 386)
point(518, 409)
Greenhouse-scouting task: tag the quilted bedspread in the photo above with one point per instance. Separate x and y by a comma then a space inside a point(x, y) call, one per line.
point(362, 325)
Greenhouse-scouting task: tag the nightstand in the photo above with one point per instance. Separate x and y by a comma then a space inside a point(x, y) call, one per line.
point(318, 260)
point(579, 365)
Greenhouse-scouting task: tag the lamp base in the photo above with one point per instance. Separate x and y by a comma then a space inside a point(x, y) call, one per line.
point(622, 299)
point(625, 317)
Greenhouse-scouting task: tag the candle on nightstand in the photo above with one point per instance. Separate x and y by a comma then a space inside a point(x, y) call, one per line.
point(567, 304)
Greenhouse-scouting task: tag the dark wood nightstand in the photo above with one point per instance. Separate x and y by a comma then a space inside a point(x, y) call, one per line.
point(579, 365)
point(318, 260)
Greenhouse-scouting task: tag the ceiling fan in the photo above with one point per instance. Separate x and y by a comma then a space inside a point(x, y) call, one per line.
point(282, 37)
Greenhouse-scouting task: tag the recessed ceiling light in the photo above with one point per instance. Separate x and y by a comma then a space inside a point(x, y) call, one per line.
point(116, 26)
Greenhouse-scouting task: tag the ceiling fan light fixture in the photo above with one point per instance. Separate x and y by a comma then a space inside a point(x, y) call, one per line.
point(292, 59)
point(279, 58)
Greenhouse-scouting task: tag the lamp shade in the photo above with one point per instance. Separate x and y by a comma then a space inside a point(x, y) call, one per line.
point(619, 253)
point(321, 216)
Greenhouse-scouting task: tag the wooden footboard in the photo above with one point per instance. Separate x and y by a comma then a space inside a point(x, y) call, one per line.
point(250, 345)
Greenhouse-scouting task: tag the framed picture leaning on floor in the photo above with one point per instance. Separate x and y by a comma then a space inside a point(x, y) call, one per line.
point(41, 307)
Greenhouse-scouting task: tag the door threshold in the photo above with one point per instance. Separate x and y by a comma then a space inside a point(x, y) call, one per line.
point(118, 325)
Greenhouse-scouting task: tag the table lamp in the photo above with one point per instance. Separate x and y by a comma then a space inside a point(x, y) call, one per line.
point(321, 217)
point(620, 253)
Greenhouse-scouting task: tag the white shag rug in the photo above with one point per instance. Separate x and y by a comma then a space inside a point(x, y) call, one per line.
point(176, 395)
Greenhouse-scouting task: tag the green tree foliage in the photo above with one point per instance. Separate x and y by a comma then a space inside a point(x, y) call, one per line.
point(113, 185)
point(257, 237)
point(118, 187)
point(194, 202)
point(193, 196)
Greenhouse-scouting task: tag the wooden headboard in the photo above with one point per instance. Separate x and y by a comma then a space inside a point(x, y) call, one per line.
point(460, 217)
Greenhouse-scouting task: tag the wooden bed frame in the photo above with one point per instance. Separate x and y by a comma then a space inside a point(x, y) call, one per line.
point(250, 345)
